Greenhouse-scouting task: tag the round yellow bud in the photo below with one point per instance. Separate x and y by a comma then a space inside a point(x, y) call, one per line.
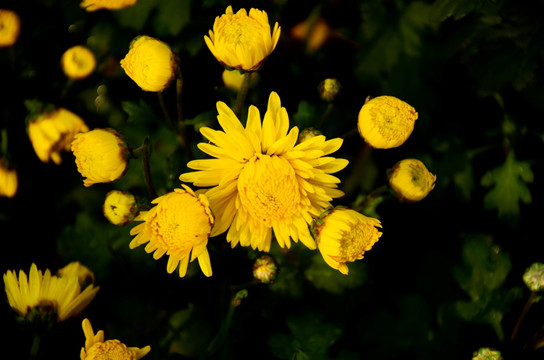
point(8, 179)
point(307, 134)
point(265, 269)
point(93, 5)
point(329, 89)
point(101, 156)
point(78, 62)
point(10, 27)
point(233, 79)
point(534, 277)
point(53, 132)
point(386, 122)
point(242, 41)
point(120, 207)
point(410, 181)
point(150, 63)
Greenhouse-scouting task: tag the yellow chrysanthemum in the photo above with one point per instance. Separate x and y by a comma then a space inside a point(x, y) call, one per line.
point(8, 179)
point(178, 226)
point(97, 349)
point(120, 207)
point(42, 293)
point(262, 181)
point(93, 5)
point(410, 181)
point(53, 132)
point(386, 122)
point(343, 235)
point(241, 41)
point(101, 156)
point(78, 62)
point(10, 27)
point(150, 63)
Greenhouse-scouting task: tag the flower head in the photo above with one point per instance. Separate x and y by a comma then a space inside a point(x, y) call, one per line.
point(93, 5)
point(101, 156)
point(120, 207)
point(343, 235)
point(265, 269)
point(8, 179)
point(150, 63)
point(410, 181)
point(241, 41)
point(534, 277)
point(78, 62)
point(179, 226)
point(42, 295)
point(53, 132)
point(487, 354)
point(97, 349)
point(10, 27)
point(262, 181)
point(386, 122)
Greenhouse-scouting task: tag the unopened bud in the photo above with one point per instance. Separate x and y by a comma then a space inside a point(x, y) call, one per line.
point(329, 89)
point(265, 269)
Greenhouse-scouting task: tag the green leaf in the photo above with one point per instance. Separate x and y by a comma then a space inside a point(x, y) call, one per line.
point(171, 16)
point(331, 280)
point(443, 9)
point(508, 183)
point(135, 17)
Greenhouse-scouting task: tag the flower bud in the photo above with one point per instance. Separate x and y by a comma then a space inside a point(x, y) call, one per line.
point(486, 354)
point(10, 27)
point(101, 156)
point(410, 181)
point(265, 269)
point(329, 89)
point(534, 277)
point(233, 79)
point(307, 134)
point(93, 5)
point(8, 179)
point(120, 207)
point(150, 63)
point(75, 268)
point(386, 122)
point(78, 62)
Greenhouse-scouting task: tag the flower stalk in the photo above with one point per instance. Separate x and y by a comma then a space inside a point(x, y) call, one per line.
point(242, 94)
point(145, 152)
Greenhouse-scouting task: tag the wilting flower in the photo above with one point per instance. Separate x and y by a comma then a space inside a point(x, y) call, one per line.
point(262, 181)
point(265, 269)
point(78, 62)
point(386, 122)
point(233, 79)
point(150, 63)
point(178, 226)
point(53, 132)
point(120, 207)
point(343, 235)
point(487, 354)
point(45, 296)
point(410, 181)
point(10, 27)
point(97, 349)
point(534, 277)
point(101, 156)
point(241, 41)
point(8, 179)
point(328, 89)
point(93, 5)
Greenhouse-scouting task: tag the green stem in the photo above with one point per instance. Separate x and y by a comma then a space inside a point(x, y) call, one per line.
point(242, 93)
point(530, 301)
point(326, 115)
point(182, 133)
point(165, 110)
point(34, 348)
point(145, 152)
point(376, 193)
point(350, 133)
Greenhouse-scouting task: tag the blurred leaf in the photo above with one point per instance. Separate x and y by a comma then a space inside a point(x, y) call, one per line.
point(443, 9)
point(508, 183)
point(171, 16)
point(331, 280)
point(310, 338)
point(307, 115)
point(135, 17)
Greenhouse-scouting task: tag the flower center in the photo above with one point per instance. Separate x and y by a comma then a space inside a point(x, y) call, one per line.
point(243, 31)
point(356, 241)
point(268, 189)
point(110, 350)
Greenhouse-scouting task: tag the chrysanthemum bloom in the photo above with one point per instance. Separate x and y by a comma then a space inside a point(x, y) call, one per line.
point(534, 277)
point(78, 62)
point(233, 79)
point(262, 181)
point(8, 179)
point(120, 207)
point(410, 181)
point(98, 349)
point(10, 27)
point(101, 156)
point(386, 122)
point(150, 63)
point(343, 235)
point(53, 132)
point(487, 354)
point(179, 226)
point(93, 5)
point(265, 269)
point(42, 295)
point(241, 41)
